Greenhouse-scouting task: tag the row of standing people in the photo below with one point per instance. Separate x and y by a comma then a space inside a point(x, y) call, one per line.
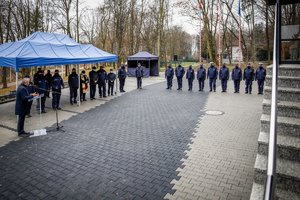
point(212, 74)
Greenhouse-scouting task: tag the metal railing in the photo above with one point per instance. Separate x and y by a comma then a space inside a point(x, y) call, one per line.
point(271, 168)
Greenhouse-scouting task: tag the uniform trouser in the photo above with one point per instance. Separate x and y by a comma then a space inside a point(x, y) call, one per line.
point(102, 90)
point(55, 99)
point(92, 91)
point(201, 84)
point(248, 88)
point(190, 81)
point(236, 85)
point(122, 83)
point(260, 86)
point(20, 126)
point(224, 84)
point(110, 90)
point(139, 82)
point(43, 101)
point(179, 81)
point(212, 84)
point(169, 81)
point(29, 107)
point(73, 94)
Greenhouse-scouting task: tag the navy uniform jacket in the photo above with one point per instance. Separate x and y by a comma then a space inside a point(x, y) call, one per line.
point(260, 74)
point(212, 72)
point(248, 73)
point(122, 73)
point(57, 83)
point(169, 73)
point(201, 73)
point(73, 80)
point(93, 77)
point(42, 84)
point(190, 73)
point(22, 98)
point(139, 72)
point(179, 71)
point(102, 76)
point(111, 77)
point(224, 73)
point(236, 74)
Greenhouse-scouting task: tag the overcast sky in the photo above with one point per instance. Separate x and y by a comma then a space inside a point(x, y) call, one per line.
point(178, 19)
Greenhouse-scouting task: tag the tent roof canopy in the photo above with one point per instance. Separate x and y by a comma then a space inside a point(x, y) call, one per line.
point(43, 49)
point(143, 55)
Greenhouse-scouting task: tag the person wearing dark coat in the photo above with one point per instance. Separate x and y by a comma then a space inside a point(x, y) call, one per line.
point(42, 88)
point(84, 81)
point(190, 76)
point(248, 77)
point(212, 75)
point(260, 77)
point(169, 74)
point(224, 76)
point(122, 76)
point(139, 73)
point(102, 80)
point(236, 77)
point(31, 89)
point(73, 86)
point(111, 77)
point(57, 84)
point(21, 107)
point(179, 72)
point(48, 78)
point(201, 76)
point(93, 82)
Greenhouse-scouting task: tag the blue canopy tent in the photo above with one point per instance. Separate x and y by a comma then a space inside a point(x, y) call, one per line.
point(147, 60)
point(46, 49)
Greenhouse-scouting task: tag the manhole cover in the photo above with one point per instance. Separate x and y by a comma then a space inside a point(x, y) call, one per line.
point(214, 112)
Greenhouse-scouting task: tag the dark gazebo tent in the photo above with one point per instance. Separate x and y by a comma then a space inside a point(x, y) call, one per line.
point(147, 60)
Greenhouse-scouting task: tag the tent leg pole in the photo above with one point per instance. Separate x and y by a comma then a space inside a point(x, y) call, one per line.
point(78, 86)
point(16, 91)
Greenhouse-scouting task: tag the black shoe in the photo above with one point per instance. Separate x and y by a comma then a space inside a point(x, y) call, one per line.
point(104, 96)
point(210, 90)
point(75, 102)
point(24, 134)
point(59, 108)
point(71, 103)
point(43, 111)
point(84, 100)
point(100, 96)
point(178, 88)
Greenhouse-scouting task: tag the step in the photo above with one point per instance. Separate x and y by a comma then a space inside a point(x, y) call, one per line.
point(257, 193)
point(288, 147)
point(284, 81)
point(284, 108)
point(287, 173)
point(286, 70)
point(285, 125)
point(284, 94)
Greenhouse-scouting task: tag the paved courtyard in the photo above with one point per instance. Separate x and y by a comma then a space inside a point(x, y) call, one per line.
point(146, 144)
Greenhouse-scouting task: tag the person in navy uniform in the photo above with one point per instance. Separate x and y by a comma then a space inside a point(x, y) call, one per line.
point(102, 80)
point(111, 77)
point(21, 107)
point(42, 88)
point(212, 75)
point(248, 77)
point(169, 74)
point(93, 82)
point(57, 84)
point(260, 77)
point(73, 81)
point(84, 81)
point(201, 76)
point(122, 77)
point(236, 77)
point(139, 73)
point(224, 76)
point(190, 76)
point(179, 72)
point(31, 89)
point(48, 77)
